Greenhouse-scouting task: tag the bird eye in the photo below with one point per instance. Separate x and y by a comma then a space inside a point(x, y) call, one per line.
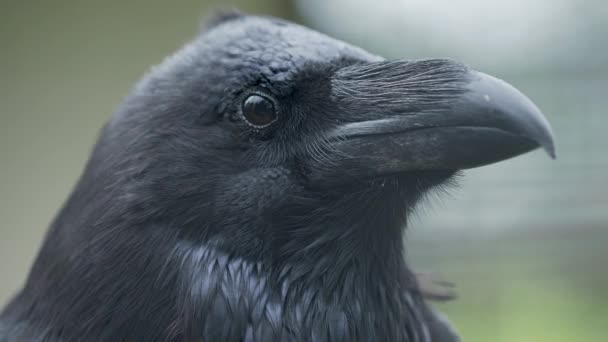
point(259, 111)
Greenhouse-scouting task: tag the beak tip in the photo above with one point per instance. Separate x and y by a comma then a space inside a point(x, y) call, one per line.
point(545, 135)
point(545, 139)
point(550, 149)
point(521, 115)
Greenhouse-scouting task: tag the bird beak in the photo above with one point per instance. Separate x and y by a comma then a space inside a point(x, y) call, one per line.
point(456, 119)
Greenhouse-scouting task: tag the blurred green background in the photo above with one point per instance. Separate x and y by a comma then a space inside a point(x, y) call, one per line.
point(525, 240)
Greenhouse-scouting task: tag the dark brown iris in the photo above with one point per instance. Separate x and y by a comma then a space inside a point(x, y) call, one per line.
point(259, 111)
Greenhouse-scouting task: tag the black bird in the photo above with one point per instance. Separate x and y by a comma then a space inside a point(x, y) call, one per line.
point(255, 186)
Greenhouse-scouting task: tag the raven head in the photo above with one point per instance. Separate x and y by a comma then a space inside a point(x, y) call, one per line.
point(261, 127)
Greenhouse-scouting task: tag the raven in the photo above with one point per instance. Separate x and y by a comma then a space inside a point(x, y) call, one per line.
point(255, 186)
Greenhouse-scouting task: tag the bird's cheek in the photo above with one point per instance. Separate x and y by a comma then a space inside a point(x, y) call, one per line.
point(255, 191)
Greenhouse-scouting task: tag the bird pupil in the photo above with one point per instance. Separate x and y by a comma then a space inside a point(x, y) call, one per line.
point(258, 110)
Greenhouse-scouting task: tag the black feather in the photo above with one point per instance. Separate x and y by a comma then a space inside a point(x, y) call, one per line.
point(187, 224)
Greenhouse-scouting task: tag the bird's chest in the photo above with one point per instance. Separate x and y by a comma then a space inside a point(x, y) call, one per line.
point(237, 301)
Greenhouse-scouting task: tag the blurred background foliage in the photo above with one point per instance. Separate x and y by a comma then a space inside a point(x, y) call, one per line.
point(525, 240)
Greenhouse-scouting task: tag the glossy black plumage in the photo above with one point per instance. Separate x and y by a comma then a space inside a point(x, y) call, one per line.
point(188, 224)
